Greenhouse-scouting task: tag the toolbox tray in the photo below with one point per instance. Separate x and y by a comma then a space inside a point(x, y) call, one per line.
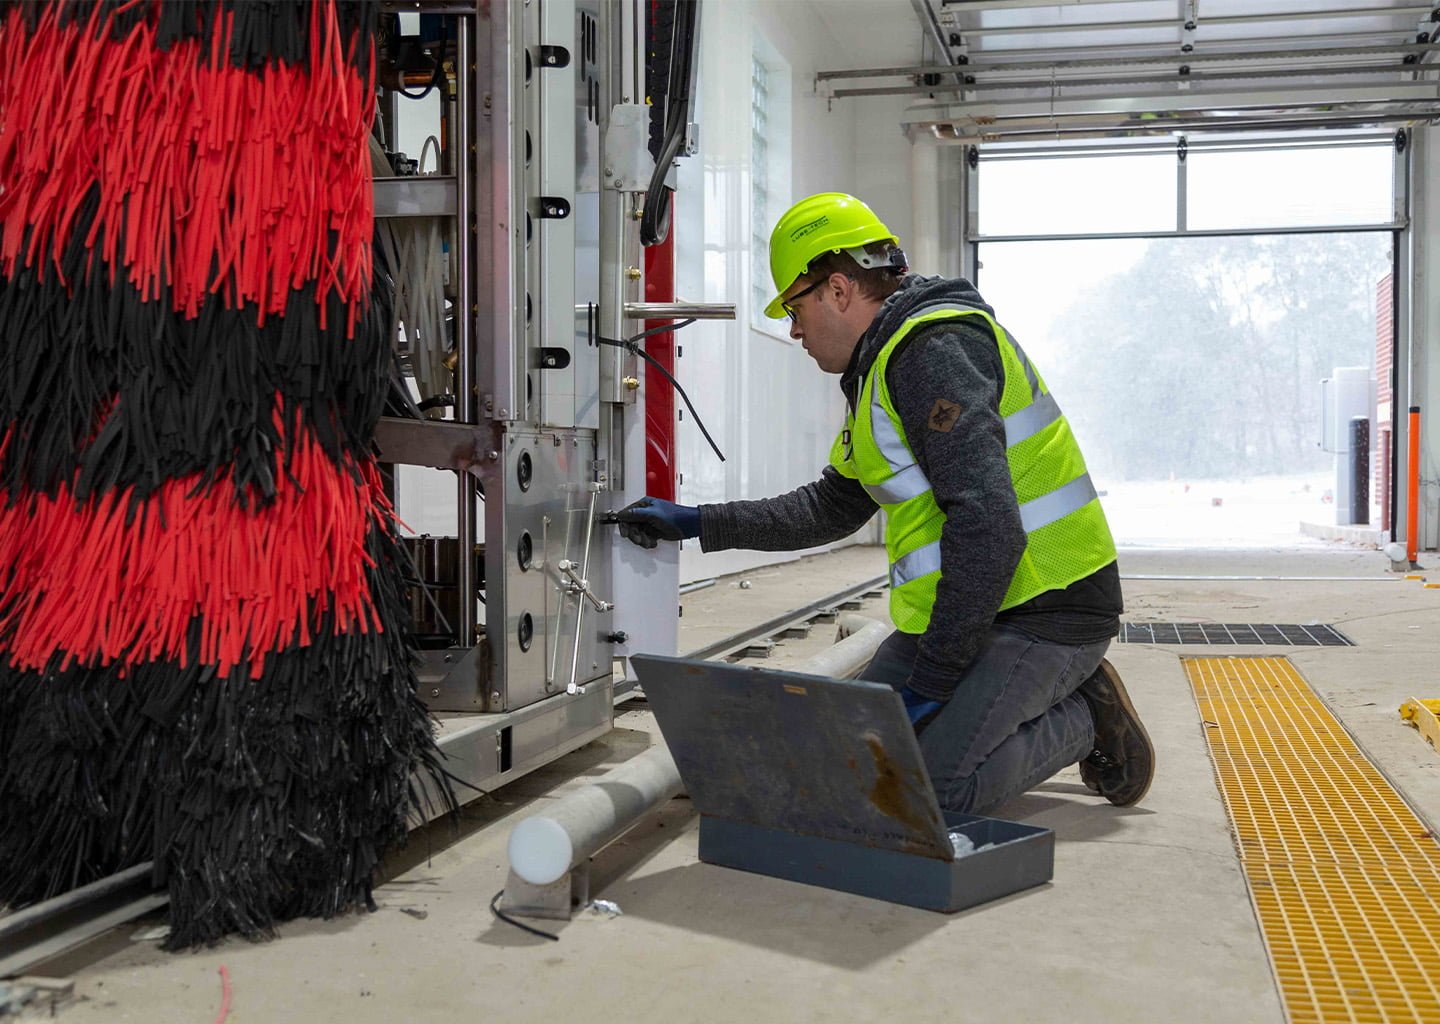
point(821, 781)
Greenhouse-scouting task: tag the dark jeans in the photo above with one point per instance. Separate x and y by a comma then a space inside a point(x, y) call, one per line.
point(1015, 719)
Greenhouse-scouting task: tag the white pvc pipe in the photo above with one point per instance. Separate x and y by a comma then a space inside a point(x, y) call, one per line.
point(544, 847)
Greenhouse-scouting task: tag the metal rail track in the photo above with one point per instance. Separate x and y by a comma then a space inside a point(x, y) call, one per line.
point(47, 929)
point(737, 642)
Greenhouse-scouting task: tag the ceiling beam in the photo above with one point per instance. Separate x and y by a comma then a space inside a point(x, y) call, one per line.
point(1161, 103)
point(1058, 86)
point(976, 67)
point(1411, 12)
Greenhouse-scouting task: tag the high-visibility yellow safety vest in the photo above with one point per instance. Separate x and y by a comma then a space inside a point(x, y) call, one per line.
point(1067, 536)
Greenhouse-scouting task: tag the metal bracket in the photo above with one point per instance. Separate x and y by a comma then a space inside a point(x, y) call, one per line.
point(556, 901)
point(628, 163)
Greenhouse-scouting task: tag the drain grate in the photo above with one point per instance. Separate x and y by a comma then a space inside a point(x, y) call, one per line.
point(1343, 875)
point(1241, 633)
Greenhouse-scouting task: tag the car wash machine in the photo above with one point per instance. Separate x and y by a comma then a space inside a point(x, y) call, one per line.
point(528, 388)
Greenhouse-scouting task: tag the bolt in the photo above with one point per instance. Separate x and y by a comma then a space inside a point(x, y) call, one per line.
point(631, 383)
point(492, 455)
point(495, 696)
point(435, 692)
point(504, 414)
point(637, 214)
point(633, 273)
point(609, 172)
point(448, 657)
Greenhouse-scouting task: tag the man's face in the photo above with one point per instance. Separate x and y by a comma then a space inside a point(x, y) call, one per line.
point(818, 320)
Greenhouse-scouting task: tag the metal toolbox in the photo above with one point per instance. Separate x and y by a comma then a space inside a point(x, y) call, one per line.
point(821, 781)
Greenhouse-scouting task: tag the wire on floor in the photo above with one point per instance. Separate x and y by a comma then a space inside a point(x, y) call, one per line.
point(495, 909)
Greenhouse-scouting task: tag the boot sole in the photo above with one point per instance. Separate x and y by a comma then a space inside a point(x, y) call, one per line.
point(1130, 712)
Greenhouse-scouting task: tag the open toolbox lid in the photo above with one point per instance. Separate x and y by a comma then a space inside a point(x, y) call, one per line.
point(833, 758)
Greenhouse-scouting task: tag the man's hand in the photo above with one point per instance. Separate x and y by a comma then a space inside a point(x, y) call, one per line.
point(918, 707)
point(651, 520)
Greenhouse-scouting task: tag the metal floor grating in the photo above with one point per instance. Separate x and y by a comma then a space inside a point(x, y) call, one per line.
point(1344, 876)
point(1245, 634)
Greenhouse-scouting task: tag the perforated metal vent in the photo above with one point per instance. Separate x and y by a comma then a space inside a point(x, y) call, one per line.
point(1238, 633)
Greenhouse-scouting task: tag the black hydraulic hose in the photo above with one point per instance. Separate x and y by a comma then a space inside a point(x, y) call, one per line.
point(655, 217)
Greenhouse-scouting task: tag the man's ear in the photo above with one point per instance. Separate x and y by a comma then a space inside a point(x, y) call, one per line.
point(844, 289)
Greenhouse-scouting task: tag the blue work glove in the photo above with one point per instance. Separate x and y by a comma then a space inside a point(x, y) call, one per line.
point(918, 707)
point(651, 520)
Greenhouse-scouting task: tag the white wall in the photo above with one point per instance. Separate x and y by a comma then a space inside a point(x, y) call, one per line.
point(771, 410)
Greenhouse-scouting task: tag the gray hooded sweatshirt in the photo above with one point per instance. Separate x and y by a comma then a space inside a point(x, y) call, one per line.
point(956, 362)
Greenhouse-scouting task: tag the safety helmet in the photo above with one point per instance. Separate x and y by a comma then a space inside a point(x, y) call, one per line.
point(828, 222)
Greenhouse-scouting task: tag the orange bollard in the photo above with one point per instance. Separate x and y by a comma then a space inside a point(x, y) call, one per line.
point(1412, 512)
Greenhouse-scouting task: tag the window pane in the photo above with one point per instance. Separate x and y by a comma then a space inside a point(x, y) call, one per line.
point(1289, 188)
point(1077, 195)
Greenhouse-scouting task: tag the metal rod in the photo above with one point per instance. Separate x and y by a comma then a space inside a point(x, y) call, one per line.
point(1201, 46)
point(1330, 140)
point(580, 597)
point(1099, 130)
point(1412, 499)
point(1060, 84)
point(465, 588)
point(679, 310)
point(52, 926)
point(1172, 24)
point(976, 67)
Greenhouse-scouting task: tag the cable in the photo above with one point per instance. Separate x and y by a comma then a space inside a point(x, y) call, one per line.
point(655, 215)
point(495, 909)
point(434, 81)
point(632, 344)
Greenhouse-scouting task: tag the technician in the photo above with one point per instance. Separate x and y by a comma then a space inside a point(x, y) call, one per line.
point(1004, 588)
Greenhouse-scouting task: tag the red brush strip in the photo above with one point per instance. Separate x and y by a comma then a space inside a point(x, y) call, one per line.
point(219, 180)
point(83, 583)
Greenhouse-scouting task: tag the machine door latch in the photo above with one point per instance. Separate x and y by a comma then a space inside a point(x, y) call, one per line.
point(574, 584)
point(554, 207)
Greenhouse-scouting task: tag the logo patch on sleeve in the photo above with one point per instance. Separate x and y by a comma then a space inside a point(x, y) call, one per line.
point(944, 415)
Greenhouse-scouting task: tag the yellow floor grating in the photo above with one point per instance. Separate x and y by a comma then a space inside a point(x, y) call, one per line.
point(1344, 876)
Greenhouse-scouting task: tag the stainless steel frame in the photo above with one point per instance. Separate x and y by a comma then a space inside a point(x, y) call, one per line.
point(530, 670)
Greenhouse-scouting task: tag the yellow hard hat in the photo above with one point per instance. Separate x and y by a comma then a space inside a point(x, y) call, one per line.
point(828, 222)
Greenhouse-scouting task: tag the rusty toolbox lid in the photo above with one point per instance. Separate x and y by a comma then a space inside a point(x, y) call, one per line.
point(834, 758)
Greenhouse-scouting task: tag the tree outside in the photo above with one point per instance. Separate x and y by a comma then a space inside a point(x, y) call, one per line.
point(1200, 361)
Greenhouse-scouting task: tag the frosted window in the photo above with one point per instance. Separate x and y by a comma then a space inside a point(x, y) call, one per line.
point(1290, 188)
point(1078, 195)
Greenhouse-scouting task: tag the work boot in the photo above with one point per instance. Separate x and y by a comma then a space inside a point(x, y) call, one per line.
point(1123, 762)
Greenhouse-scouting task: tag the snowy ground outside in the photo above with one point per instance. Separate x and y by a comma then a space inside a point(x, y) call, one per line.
point(1258, 512)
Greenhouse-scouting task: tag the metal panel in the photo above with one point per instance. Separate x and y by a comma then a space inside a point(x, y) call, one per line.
point(589, 114)
point(415, 197)
point(534, 619)
point(475, 746)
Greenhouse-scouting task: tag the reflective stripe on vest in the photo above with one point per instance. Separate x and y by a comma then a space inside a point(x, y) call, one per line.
point(892, 477)
point(1042, 511)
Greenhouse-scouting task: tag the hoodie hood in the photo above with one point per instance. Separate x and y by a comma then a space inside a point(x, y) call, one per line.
point(914, 292)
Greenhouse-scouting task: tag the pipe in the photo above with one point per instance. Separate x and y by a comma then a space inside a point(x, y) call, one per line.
point(544, 848)
point(1412, 497)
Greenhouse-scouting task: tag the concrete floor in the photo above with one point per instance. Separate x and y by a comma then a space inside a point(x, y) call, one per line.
point(1147, 918)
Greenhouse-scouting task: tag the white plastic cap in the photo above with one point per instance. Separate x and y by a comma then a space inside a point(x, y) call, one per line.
point(540, 851)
